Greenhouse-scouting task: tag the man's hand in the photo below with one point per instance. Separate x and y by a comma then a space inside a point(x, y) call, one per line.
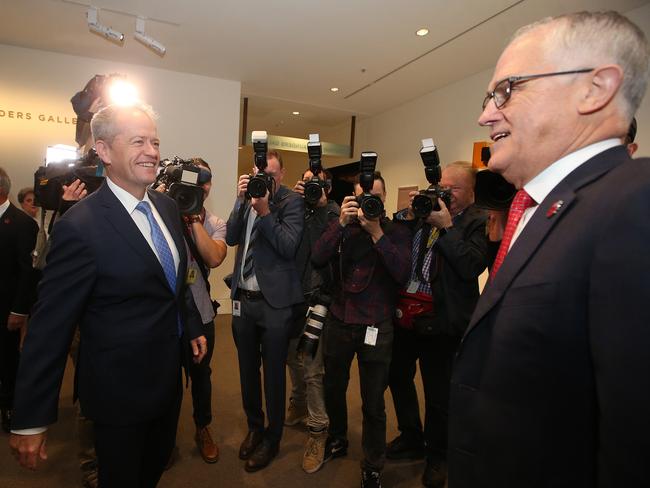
point(440, 219)
point(162, 188)
point(75, 191)
point(199, 348)
point(15, 321)
point(242, 185)
point(28, 449)
point(300, 187)
point(410, 215)
point(261, 205)
point(371, 226)
point(349, 211)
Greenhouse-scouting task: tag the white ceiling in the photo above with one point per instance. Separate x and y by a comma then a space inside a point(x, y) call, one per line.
point(287, 54)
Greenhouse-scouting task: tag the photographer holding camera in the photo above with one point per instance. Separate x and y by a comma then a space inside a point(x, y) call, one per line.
point(305, 359)
point(449, 252)
point(205, 236)
point(265, 287)
point(371, 262)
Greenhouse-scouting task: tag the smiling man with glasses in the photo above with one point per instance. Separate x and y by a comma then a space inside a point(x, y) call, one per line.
point(551, 385)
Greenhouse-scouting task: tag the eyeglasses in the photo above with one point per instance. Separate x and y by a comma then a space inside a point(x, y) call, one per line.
point(503, 89)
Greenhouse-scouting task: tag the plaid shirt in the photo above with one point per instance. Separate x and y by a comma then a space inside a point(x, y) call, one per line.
point(370, 284)
point(424, 284)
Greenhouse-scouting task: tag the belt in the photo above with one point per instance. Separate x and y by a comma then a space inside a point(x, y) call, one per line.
point(250, 295)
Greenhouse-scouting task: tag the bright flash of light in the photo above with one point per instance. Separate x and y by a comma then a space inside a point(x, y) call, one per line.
point(122, 93)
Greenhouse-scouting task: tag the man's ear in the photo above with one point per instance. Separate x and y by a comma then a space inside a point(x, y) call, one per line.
point(103, 152)
point(605, 84)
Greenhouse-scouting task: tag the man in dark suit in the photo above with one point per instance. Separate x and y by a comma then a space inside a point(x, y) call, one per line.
point(551, 386)
point(17, 289)
point(116, 268)
point(449, 253)
point(265, 286)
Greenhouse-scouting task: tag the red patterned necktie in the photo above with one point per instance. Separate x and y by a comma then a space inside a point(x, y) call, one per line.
point(519, 204)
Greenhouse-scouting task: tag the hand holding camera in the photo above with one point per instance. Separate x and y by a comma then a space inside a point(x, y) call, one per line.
point(440, 219)
point(349, 211)
point(371, 226)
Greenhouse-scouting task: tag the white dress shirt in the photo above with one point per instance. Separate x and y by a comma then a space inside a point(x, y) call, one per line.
point(4, 207)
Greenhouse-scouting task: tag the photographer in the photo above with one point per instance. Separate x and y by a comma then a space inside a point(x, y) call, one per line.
point(265, 286)
point(371, 261)
point(205, 236)
point(449, 252)
point(306, 369)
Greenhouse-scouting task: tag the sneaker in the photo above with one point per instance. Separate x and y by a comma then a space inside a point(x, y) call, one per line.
point(335, 448)
point(370, 479)
point(404, 448)
point(295, 414)
point(314, 456)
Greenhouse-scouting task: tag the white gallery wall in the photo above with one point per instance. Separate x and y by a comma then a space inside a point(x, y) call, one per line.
point(198, 116)
point(449, 115)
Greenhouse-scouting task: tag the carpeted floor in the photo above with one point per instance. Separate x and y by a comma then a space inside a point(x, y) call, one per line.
point(228, 428)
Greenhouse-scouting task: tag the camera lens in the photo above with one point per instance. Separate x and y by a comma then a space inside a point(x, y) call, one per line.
point(256, 187)
point(189, 198)
point(313, 192)
point(422, 205)
point(372, 206)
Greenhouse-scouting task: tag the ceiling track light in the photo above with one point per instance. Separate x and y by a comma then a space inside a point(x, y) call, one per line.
point(151, 43)
point(102, 30)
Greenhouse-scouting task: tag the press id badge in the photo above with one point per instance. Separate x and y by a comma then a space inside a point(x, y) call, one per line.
point(236, 308)
point(191, 276)
point(413, 286)
point(371, 335)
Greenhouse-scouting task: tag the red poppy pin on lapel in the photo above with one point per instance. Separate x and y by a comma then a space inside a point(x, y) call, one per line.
point(553, 209)
point(7, 221)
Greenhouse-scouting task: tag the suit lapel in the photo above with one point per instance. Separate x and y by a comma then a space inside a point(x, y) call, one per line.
point(123, 224)
point(544, 219)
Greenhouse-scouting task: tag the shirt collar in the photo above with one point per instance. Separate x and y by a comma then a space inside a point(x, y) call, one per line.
point(542, 184)
point(126, 199)
point(4, 207)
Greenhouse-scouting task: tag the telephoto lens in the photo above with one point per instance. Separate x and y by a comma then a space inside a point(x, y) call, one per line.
point(308, 343)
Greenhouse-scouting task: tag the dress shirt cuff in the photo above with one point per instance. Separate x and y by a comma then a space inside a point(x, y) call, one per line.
point(32, 431)
point(19, 314)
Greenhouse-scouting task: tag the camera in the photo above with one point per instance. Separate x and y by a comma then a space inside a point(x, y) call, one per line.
point(316, 314)
point(260, 183)
point(492, 191)
point(315, 186)
point(183, 180)
point(427, 200)
point(371, 205)
point(61, 169)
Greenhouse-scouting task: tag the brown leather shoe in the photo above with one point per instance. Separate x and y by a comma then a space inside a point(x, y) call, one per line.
point(248, 446)
point(207, 447)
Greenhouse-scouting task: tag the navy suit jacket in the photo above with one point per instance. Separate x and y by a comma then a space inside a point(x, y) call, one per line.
point(103, 276)
point(551, 386)
point(274, 255)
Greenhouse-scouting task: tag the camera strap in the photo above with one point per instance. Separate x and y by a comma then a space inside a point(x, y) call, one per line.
point(195, 253)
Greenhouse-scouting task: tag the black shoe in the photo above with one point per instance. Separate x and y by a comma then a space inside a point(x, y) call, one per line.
point(248, 445)
point(435, 474)
point(370, 479)
point(334, 448)
point(403, 448)
point(262, 456)
point(6, 420)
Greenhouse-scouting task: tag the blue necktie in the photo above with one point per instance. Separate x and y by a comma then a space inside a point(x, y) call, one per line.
point(164, 252)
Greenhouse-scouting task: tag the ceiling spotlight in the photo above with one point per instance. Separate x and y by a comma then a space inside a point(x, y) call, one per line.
point(295, 113)
point(334, 89)
point(422, 32)
point(145, 39)
point(102, 30)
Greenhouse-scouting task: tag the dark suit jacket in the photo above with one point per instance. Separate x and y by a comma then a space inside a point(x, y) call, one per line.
point(278, 237)
point(551, 386)
point(17, 277)
point(102, 275)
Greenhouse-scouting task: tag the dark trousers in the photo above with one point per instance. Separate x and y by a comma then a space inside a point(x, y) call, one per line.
point(435, 355)
point(341, 342)
point(9, 356)
point(200, 374)
point(134, 456)
point(261, 335)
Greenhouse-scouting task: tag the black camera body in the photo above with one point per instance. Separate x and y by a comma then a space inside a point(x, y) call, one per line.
point(49, 179)
point(183, 180)
point(492, 191)
point(316, 314)
point(315, 187)
point(371, 205)
point(427, 200)
point(260, 182)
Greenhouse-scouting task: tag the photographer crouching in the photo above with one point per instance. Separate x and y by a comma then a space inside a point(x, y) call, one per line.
point(449, 252)
point(205, 237)
point(371, 260)
point(305, 358)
